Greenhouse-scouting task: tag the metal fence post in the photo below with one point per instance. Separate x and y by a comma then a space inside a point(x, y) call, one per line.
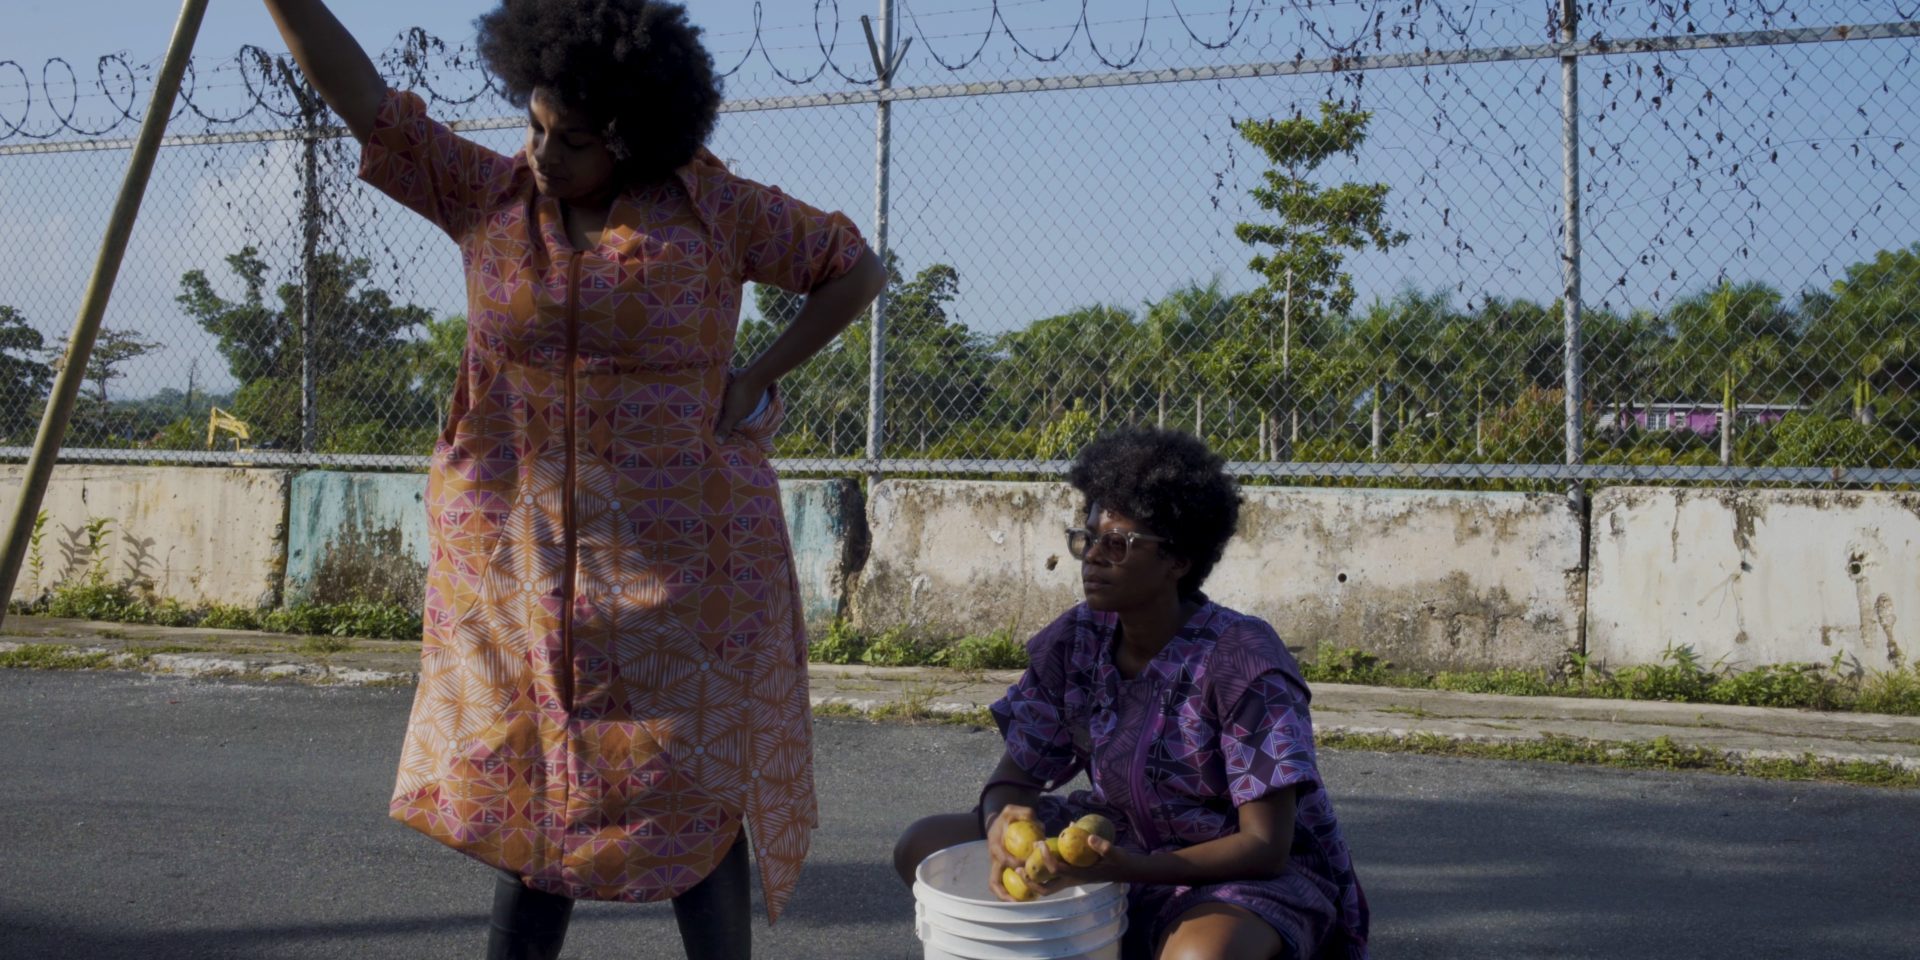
point(309, 257)
point(877, 340)
point(1570, 267)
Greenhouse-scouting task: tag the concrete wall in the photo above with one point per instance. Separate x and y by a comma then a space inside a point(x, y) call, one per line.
point(1429, 579)
point(363, 536)
point(957, 557)
point(357, 536)
point(1755, 577)
point(1426, 579)
point(827, 522)
point(193, 534)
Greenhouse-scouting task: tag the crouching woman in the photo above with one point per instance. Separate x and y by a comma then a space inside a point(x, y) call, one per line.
point(1190, 721)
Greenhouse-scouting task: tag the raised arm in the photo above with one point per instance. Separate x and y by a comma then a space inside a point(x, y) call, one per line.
point(332, 61)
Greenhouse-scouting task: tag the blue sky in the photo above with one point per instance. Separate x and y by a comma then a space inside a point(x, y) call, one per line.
point(1777, 164)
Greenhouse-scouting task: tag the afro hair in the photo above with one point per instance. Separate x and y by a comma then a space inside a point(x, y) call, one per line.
point(1169, 482)
point(636, 66)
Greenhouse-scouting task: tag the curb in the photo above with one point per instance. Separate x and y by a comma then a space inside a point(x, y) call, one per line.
point(910, 693)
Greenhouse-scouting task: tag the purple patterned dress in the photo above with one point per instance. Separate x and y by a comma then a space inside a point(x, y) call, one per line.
point(1217, 719)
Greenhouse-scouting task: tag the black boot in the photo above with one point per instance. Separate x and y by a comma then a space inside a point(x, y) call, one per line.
point(527, 924)
point(713, 915)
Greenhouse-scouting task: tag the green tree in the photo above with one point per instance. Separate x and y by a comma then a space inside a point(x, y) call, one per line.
point(1080, 356)
point(1398, 351)
point(369, 398)
point(1863, 339)
point(1175, 335)
point(24, 376)
point(936, 368)
point(1316, 227)
point(826, 398)
point(95, 419)
point(434, 362)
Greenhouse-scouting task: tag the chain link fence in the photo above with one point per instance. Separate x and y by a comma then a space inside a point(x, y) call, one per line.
point(1337, 240)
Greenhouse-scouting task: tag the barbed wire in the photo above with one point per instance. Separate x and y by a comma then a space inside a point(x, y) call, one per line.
point(47, 103)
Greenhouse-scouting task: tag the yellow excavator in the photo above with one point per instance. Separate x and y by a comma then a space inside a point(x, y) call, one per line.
point(219, 421)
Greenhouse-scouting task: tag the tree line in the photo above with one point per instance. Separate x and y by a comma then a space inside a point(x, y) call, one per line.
point(1292, 369)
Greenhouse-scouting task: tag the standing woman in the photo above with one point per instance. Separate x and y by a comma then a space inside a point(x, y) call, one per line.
point(613, 676)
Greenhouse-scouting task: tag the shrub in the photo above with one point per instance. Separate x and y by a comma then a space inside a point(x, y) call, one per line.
point(1896, 691)
point(994, 651)
point(1781, 685)
point(894, 648)
point(1521, 683)
point(1348, 665)
point(1680, 679)
point(842, 644)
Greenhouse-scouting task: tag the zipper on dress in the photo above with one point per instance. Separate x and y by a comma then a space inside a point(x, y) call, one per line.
point(568, 533)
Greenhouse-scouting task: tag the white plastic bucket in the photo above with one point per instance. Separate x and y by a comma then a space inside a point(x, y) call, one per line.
point(958, 918)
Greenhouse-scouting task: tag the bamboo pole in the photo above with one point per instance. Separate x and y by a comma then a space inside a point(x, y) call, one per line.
point(93, 307)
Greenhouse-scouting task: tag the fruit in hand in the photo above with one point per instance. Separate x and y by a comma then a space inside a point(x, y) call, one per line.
point(1015, 884)
point(1097, 825)
point(1074, 848)
point(1020, 837)
point(1037, 864)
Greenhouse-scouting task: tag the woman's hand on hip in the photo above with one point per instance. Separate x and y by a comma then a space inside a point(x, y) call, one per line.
point(743, 395)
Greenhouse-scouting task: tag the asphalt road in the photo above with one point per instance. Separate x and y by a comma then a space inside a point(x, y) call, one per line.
point(161, 818)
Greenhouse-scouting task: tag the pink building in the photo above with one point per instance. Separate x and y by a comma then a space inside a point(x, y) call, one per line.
point(1702, 419)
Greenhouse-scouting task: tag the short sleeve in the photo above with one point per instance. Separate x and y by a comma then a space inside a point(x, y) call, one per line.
point(1032, 717)
point(1267, 740)
point(433, 171)
point(787, 244)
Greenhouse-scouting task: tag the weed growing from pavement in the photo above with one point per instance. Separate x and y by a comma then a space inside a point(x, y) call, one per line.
point(904, 712)
point(324, 646)
point(898, 647)
point(1680, 677)
point(52, 656)
point(1660, 753)
point(122, 603)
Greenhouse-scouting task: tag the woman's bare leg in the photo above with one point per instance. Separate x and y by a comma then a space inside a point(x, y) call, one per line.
point(930, 835)
point(1219, 931)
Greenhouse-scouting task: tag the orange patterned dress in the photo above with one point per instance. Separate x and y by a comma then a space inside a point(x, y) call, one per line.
point(613, 673)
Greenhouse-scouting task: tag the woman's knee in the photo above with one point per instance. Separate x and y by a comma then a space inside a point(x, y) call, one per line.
point(1219, 931)
point(929, 835)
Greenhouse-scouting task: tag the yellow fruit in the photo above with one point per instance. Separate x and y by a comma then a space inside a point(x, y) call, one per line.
point(1020, 836)
point(1053, 843)
point(1097, 825)
point(1037, 865)
point(1016, 886)
point(1074, 848)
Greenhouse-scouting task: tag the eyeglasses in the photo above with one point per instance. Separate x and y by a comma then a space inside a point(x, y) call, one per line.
point(1113, 544)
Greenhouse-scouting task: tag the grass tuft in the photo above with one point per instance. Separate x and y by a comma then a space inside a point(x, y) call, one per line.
point(50, 656)
point(1660, 753)
point(1680, 677)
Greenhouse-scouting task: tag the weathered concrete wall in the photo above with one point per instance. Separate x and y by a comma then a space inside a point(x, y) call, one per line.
point(958, 557)
point(1429, 579)
point(357, 536)
point(1753, 577)
point(363, 536)
point(827, 522)
point(192, 534)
